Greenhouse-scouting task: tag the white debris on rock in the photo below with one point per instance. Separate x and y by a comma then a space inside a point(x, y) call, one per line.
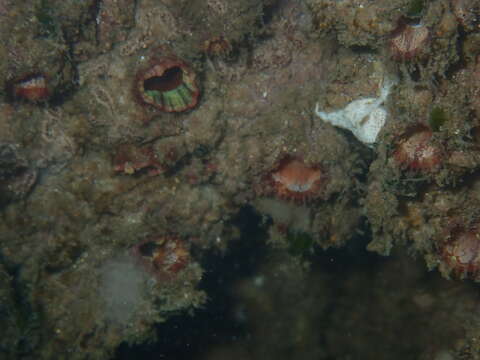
point(364, 117)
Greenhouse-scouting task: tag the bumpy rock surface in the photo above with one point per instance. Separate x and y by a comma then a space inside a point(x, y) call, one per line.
point(91, 178)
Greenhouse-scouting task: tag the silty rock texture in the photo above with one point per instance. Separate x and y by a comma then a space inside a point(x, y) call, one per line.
point(132, 133)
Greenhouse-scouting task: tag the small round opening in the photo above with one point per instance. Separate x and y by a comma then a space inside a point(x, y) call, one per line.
point(148, 249)
point(169, 80)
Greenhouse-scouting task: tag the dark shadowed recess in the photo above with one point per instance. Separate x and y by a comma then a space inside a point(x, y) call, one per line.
point(186, 336)
point(189, 336)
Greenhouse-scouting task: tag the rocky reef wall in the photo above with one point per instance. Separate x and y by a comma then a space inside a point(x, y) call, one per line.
point(134, 133)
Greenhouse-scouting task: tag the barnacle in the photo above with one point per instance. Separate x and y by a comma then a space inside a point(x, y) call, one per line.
point(409, 41)
point(168, 85)
point(461, 250)
point(31, 87)
point(417, 151)
point(163, 256)
point(294, 180)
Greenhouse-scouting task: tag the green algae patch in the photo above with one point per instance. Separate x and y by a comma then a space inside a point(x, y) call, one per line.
point(415, 8)
point(299, 242)
point(438, 117)
point(48, 25)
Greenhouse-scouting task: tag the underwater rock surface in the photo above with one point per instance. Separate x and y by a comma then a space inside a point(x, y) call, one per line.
point(134, 134)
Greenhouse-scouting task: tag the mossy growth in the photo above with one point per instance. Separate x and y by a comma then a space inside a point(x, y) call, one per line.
point(438, 117)
point(5, 197)
point(415, 8)
point(299, 242)
point(48, 25)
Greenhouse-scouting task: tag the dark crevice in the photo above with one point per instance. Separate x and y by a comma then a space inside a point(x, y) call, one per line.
point(185, 336)
point(189, 337)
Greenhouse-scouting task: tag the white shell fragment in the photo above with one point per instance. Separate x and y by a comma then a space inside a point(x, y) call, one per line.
point(364, 117)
